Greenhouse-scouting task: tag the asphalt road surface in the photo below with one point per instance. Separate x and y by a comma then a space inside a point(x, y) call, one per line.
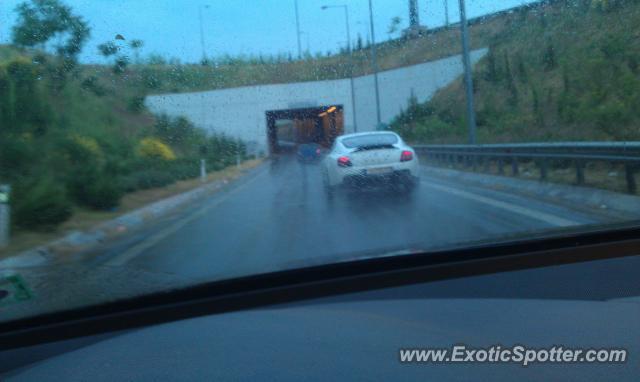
point(279, 217)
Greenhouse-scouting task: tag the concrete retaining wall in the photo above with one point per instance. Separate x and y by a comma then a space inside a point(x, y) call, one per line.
point(240, 112)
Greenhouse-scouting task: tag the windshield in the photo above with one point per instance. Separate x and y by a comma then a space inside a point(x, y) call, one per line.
point(152, 145)
point(370, 140)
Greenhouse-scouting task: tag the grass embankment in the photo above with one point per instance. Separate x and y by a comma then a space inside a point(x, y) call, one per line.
point(568, 71)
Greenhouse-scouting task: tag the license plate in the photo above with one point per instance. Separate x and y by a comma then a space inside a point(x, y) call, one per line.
point(379, 170)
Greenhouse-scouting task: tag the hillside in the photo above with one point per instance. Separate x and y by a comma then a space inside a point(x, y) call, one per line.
point(162, 75)
point(567, 71)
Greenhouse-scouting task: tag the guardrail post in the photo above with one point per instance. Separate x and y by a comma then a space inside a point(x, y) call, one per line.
point(514, 166)
point(486, 164)
point(5, 216)
point(474, 162)
point(579, 172)
point(629, 170)
point(203, 171)
point(544, 167)
point(500, 166)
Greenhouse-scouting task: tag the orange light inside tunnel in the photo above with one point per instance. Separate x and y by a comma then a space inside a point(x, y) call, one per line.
point(331, 109)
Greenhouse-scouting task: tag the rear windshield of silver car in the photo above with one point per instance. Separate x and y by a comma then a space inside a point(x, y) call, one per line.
point(370, 140)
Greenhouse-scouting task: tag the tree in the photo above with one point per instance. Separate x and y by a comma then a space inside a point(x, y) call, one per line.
point(359, 42)
point(108, 49)
point(394, 26)
point(41, 21)
point(121, 64)
point(136, 45)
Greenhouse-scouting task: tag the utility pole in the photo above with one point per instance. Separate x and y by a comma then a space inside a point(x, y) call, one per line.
point(204, 53)
point(295, 2)
point(351, 63)
point(446, 13)
point(374, 63)
point(353, 91)
point(471, 114)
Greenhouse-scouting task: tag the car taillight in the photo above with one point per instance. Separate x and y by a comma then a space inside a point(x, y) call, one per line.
point(344, 162)
point(406, 156)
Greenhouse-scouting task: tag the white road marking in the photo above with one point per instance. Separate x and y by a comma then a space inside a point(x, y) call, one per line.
point(137, 249)
point(542, 216)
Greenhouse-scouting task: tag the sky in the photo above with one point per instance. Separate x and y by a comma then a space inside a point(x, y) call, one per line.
point(171, 28)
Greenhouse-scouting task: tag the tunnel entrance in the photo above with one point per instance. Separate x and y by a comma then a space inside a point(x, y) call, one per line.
point(288, 128)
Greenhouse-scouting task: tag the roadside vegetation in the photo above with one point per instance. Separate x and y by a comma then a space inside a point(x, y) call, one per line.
point(68, 141)
point(566, 71)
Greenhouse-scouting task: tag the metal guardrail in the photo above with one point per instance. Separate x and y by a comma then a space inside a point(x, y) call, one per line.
point(578, 153)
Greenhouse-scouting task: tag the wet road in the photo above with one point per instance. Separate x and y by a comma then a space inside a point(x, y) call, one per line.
point(279, 218)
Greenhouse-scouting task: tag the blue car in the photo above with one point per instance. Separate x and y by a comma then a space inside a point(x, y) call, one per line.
point(309, 152)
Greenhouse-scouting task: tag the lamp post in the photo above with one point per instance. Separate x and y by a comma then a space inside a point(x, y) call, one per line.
point(374, 63)
point(348, 29)
point(295, 3)
point(446, 13)
point(204, 53)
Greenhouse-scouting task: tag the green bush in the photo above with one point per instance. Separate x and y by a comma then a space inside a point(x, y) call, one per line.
point(40, 204)
point(92, 187)
point(103, 194)
point(16, 156)
point(136, 104)
point(610, 115)
point(142, 180)
point(185, 169)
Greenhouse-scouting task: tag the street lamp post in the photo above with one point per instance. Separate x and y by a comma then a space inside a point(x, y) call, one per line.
point(471, 114)
point(374, 63)
point(204, 53)
point(295, 3)
point(446, 13)
point(353, 93)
